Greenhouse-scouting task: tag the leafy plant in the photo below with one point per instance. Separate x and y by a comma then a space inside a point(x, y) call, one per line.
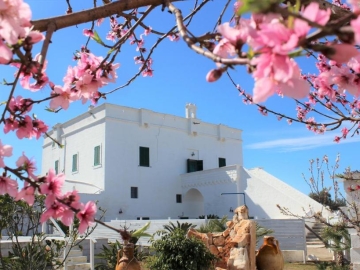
point(174, 251)
point(262, 231)
point(108, 255)
point(171, 227)
point(214, 225)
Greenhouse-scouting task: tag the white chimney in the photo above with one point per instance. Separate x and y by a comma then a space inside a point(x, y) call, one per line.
point(190, 110)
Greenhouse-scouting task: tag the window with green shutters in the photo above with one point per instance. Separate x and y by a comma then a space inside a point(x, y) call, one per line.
point(75, 163)
point(97, 155)
point(134, 192)
point(222, 162)
point(194, 165)
point(56, 166)
point(178, 198)
point(144, 156)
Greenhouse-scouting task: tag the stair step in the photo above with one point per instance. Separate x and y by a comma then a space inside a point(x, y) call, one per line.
point(79, 266)
point(72, 260)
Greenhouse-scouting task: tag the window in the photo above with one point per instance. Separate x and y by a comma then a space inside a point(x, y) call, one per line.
point(178, 198)
point(56, 166)
point(134, 193)
point(74, 163)
point(144, 156)
point(194, 165)
point(97, 155)
point(222, 162)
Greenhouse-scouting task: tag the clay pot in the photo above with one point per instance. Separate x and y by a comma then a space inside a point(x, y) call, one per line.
point(126, 259)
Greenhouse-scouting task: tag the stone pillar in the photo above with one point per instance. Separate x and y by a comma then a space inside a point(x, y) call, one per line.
point(351, 187)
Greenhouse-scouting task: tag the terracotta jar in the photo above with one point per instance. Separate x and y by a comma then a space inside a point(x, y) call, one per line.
point(126, 259)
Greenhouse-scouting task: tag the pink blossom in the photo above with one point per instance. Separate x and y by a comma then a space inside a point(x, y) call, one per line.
point(355, 24)
point(39, 128)
point(27, 194)
point(15, 15)
point(52, 186)
point(5, 53)
point(344, 132)
point(34, 37)
point(63, 98)
point(313, 13)
point(27, 164)
point(99, 21)
point(5, 151)
point(55, 210)
point(355, 4)
point(88, 33)
point(20, 104)
point(173, 37)
point(25, 128)
point(8, 186)
point(236, 36)
point(223, 49)
point(213, 75)
point(342, 52)
point(10, 124)
point(86, 216)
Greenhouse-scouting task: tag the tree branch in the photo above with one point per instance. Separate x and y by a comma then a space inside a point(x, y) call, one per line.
point(93, 14)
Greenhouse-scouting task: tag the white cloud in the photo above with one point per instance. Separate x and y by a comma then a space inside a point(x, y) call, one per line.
point(302, 143)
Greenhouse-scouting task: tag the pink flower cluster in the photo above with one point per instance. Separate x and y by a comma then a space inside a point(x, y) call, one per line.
point(58, 205)
point(22, 124)
point(14, 25)
point(273, 40)
point(83, 81)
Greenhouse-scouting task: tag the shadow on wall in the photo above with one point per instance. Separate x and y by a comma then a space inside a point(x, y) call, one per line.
point(255, 210)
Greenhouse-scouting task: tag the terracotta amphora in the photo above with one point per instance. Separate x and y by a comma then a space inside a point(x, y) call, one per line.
point(126, 260)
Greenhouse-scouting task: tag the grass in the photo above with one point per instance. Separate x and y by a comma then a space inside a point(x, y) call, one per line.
point(298, 266)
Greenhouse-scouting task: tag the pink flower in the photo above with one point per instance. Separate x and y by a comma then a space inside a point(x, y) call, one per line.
point(26, 194)
point(342, 52)
point(355, 24)
point(86, 216)
point(99, 21)
point(39, 128)
point(313, 13)
point(236, 36)
point(15, 15)
point(20, 104)
point(8, 186)
point(55, 210)
point(26, 164)
point(344, 132)
point(63, 99)
point(5, 53)
point(5, 151)
point(213, 75)
point(52, 187)
point(88, 33)
point(25, 128)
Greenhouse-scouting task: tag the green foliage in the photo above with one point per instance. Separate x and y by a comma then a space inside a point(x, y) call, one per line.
point(338, 235)
point(330, 266)
point(214, 225)
point(171, 227)
point(211, 216)
point(324, 197)
point(37, 254)
point(109, 256)
point(262, 231)
point(175, 251)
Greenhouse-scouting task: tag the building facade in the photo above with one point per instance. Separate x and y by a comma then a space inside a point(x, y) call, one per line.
point(142, 164)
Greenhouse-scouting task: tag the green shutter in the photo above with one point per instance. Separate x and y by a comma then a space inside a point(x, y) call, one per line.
point(222, 162)
point(144, 156)
point(75, 163)
point(97, 155)
point(56, 166)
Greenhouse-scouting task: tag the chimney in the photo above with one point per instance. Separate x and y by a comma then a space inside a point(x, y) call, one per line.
point(190, 111)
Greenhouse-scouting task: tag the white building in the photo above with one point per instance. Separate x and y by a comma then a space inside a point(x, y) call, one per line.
point(142, 164)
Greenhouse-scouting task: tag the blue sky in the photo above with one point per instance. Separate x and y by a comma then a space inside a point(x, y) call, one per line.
point(179, 78)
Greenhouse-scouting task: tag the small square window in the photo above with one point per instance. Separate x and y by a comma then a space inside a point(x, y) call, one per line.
point(222, 162)
point(178, 198)
point(74, 163)
point(56, 167)
point(144, 156)
point(97, 155)
point(134, 192)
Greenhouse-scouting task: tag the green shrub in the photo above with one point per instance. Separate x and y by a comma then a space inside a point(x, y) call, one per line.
point(109, 256)
point(176, 252)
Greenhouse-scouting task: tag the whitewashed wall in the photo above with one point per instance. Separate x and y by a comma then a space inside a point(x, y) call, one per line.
point(121, 131)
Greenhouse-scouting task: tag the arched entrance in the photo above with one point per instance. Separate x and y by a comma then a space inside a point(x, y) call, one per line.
point(193, 203)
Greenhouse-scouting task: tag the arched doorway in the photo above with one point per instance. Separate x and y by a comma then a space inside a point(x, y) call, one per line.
point(194, 203)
